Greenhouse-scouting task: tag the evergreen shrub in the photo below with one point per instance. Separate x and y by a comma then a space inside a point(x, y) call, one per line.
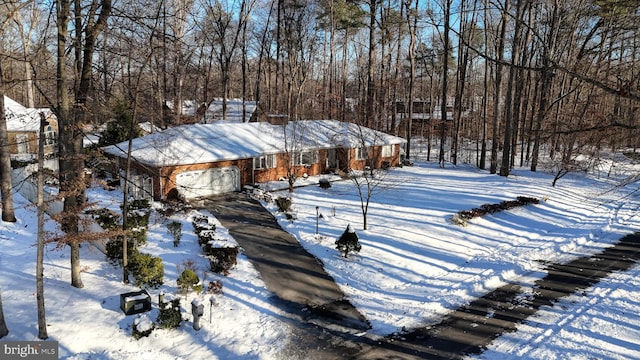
point(138, 220)
point(348, 242)
point(170, 315)
point(221, 260)
point(147, 270)
point(114, 249)
point(189, 280)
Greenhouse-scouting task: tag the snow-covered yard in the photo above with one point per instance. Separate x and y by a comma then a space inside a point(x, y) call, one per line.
point(415, 265)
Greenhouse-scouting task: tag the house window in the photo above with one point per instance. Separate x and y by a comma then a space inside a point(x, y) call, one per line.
point(264, 162)
point(362, 153)
point(307, 157)
point(140, 186)
point(49, 136)
point(387, 151)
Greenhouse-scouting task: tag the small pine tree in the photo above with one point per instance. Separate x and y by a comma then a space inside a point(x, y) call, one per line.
point(189, 280)
point(119, 129)
point(170, 315)
point(348, 242)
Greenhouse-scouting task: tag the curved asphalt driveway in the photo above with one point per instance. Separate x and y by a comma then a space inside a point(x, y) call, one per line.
point(296, 277)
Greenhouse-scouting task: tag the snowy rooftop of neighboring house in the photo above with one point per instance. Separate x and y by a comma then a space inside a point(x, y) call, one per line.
point(214, 111)
point(203, 143)
point(21, 118)
point(234, 111)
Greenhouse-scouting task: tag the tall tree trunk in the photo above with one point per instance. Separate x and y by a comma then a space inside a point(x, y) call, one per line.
point(498, 90)
point(412, 22)
point(343, 93)
point(510, 97)
point(244, 68)
point(4, 330)
point(178, 83)
point(42, 321)
point(445, 82)
point(72, 185)
point(461, 78)
point(263, 50)
point(371, 91)
point(66, 125)
point(545, 86)
point(6, 192)
point(485, 93)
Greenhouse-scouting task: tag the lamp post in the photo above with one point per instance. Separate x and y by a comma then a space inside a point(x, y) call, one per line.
point(317, 217)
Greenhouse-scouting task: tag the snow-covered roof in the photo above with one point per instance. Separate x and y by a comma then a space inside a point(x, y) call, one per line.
point(204, 143)
point(147, 127)
point(21, 118)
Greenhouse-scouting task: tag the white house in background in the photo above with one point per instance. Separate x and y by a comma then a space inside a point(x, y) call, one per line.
point(213, 112)
point(23, 128)
point(234, 111)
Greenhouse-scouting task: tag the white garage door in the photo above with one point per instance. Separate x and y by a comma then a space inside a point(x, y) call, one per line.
point(198, 183)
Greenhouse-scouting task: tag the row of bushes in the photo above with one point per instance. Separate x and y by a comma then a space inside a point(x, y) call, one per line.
point(221, 258)
point(461, 217)
point(147, 270)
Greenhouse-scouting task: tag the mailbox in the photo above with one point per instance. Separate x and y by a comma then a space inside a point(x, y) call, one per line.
point(197, 309)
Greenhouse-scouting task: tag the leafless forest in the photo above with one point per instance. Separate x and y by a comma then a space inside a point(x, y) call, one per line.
point(517, 76)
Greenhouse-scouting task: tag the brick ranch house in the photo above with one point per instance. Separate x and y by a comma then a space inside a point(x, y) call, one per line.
point(199, 160)
point(23, 130)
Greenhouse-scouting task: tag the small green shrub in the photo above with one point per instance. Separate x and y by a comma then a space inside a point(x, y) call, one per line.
point(106, 218)
point(221, 260)
point(201, 223)
point(138, 213)
point(139, 204)
point(189, 280)
point(324, 183)
point(205, 236)
point(348, 242)
point(114, 249)
point(147, 270)
point(175, 229)
point(170, 316)
point(142, 327)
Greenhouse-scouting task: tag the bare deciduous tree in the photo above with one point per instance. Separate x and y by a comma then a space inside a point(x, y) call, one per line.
point(4, 330)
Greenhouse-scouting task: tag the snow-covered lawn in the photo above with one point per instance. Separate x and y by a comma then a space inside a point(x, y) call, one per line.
point(415, 265)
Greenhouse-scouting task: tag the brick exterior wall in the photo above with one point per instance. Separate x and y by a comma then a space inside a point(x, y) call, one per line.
point(164, 179)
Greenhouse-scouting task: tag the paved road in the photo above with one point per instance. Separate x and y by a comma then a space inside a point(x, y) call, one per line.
point(328, 324)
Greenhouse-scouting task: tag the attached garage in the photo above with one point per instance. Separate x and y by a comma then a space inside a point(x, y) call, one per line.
point(207, 182)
